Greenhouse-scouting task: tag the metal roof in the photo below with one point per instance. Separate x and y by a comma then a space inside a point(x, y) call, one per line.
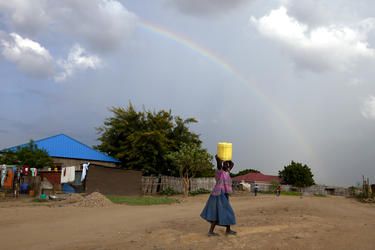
point(251, 177)
point(64, 146)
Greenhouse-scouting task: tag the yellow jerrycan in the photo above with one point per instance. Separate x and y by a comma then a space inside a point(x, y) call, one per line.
point(224, 151)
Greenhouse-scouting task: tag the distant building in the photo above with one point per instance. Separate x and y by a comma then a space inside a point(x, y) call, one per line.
point(326, 190)
point(259, 178)
point(263, 181)
point(66, 151)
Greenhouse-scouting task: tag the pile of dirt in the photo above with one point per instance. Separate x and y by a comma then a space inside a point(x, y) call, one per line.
point(93, 200)
point(65, 200)
point(73, 198)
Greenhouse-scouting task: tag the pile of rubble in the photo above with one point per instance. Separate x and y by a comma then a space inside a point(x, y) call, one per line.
point(76, 200)
point(73, 198)
point(93, 200)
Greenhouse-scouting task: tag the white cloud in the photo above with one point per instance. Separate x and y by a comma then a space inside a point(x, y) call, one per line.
point(102, 24)
point(28, 55)
point(24, 15)
point(368, 108)
point(77, 60)
point(323, 12)
point(332, 47)
point(33, 59)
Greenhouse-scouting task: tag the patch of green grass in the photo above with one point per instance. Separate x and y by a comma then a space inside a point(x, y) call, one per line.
point(290, 193)
point(169, 191)
point(141, 201)
point(320, 195)
point(199, 191)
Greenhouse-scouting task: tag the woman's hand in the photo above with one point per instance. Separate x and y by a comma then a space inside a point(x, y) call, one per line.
point(219, 162)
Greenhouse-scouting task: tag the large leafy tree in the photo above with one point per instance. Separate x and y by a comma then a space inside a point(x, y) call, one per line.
point(141, 140)
point(297, 174)
point(29, 154)
point(191, 161)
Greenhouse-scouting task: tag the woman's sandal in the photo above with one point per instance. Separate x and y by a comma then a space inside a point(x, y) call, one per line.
point(231, 232)
point(212, 234)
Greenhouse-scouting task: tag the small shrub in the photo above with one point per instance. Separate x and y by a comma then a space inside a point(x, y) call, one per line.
point(199, 191)
point(320, 195)
point(364, 198)
point(169, 191)
point(352, 191)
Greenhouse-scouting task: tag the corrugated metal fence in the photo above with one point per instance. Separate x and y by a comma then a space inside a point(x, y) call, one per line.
point(155, 184)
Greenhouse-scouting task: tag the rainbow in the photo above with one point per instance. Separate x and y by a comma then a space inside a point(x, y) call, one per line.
point(221, 62)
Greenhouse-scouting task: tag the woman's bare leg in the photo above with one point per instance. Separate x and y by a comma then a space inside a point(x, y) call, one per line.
point(212, 228)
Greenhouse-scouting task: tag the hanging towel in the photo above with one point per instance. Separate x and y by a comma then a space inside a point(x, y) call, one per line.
point(8, 183)
point(72, 173)
point(34, 171)
point(85, 168)
point(64, 177)
point(25, 170)
point(3, 174)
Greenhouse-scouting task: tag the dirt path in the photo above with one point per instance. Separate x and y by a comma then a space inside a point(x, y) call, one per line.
point(264, 222)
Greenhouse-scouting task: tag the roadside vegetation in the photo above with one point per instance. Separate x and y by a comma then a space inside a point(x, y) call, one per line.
point(142, 200)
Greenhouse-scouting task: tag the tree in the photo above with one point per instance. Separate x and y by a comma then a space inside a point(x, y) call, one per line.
point(191, 160)
point(274, 185)
point(245, 171)
point(297, 175)
point(29, 155)
point(141, 140)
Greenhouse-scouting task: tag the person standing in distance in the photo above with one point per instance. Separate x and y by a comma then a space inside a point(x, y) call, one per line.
point(256, 189)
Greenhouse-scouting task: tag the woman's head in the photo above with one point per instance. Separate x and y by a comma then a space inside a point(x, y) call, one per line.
point(224, 165)
point(228, 165)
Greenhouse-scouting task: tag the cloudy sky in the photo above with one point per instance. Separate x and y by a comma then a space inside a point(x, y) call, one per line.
point(282, 80)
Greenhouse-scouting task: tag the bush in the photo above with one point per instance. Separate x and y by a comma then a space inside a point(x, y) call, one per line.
point(199, 191)
point(362, 197)
point(320, 195)
point(169, 191)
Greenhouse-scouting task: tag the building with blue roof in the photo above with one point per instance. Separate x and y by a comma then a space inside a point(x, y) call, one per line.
point(66, 151)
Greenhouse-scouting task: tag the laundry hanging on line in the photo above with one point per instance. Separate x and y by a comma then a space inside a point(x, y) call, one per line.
point(85, 168)
point(68, 174)
point(3, 174)
point(34, 171)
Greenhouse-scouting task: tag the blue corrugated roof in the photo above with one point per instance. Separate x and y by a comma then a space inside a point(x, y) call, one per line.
point(66, 147)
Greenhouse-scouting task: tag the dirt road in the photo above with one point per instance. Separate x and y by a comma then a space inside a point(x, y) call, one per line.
point(264, 222)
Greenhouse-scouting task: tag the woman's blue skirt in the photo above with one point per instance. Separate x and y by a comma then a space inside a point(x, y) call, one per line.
point(219, 210)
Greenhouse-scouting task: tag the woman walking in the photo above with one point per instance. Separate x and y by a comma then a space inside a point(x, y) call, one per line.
point(218, 210)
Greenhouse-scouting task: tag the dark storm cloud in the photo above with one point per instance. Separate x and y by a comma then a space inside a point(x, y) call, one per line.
point(206, 7)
